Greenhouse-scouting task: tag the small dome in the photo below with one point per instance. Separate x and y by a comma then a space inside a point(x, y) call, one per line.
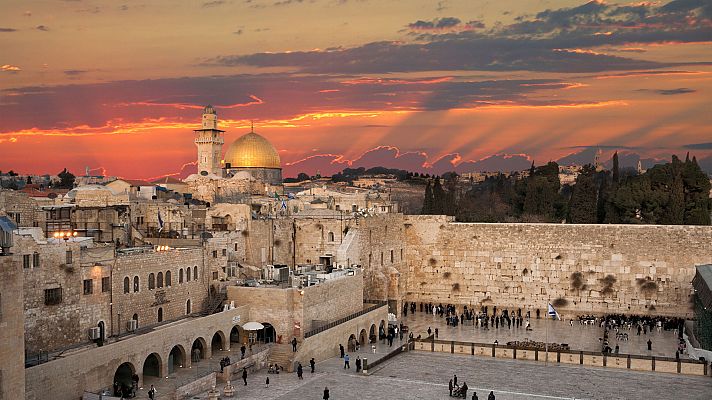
point(209, 110)
point(252, 151)
point(243, 175)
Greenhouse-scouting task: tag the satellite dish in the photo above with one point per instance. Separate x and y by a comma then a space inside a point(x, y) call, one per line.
point(204, 173)
point(52, 195)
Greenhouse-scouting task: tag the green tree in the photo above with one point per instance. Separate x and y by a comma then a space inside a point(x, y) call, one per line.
point(697, 187)
point(583, 204)
point(439, 198)
point(428, 200)
point(616, 168)
point(66, 179)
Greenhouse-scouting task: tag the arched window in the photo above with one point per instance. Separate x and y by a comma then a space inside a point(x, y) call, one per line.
point(331, 236)
point(168, 278)
point(195, 272)
point(136, 284)
point(135, 318)
point(180, 275)
point(151, 281)
point(187, 307)
point(187, 274)
point(159, 280)
point(127, 285)
point(160, 314)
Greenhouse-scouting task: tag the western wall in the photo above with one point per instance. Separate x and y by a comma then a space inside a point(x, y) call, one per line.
point(632, 269)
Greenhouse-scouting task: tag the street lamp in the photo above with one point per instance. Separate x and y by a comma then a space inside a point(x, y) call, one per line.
point(65, 235)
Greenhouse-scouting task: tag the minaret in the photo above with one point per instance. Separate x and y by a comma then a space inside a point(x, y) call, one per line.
point(597, 161)
point(209, 140)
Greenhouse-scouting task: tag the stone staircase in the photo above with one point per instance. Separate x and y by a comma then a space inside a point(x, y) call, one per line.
point(282, 355)
point(215, 304)
point(347, 252)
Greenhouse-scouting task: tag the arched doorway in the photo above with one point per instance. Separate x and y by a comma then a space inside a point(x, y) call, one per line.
point(267, 335)
point(160, 314)
point(362, 338)
point(351, 344)
point(102, 332)
point(382, 330)
point(218, 342)
point(152, 366)
point(372, 334)
point(198, 350)
point(235, 334)
point(188, 310)
point(176, 358)
point(123, 375)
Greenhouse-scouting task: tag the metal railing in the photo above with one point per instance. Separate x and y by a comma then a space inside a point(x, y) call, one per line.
point(340, 321)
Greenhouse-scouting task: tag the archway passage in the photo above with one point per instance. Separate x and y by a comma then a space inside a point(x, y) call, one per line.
point(382, 330)
point(372, 334)
point(176, 359)
point(123, 376)
point(351, 344)
point(268, 334)
point(362, 337)
point(152, 366)
point(218, 342)
point(197, 351)
point(235, 334)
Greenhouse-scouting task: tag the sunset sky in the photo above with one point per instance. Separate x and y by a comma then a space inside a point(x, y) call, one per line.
point(421, 85)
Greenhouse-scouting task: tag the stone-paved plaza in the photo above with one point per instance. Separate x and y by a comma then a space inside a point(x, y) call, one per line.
point(578, 337)
point(424, 375)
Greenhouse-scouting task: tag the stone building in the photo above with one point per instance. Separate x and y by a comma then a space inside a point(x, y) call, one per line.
point(152, 287)
point(12, 350)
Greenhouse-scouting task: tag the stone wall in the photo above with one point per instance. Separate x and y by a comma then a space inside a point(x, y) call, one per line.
point(12, 348)
point(19, 205)
point(633, 269)
point(332, 299)
point(325, 345)
point(281, 308)
point(93, 369)
point(172, 300)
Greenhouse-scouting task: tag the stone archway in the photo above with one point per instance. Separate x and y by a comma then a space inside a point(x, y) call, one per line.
point(268, 334)
point(372, 334)
point(362, 337)
point(382, 330)
point(235, 335)
point(218, 342)
point(176, 359)
point(199, 349)
point(123, 376)
point(152, 366)
point(351, 344)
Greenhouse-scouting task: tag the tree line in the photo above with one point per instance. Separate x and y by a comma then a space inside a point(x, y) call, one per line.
point(673, 193)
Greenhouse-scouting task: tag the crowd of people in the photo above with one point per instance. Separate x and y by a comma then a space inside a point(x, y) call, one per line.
point(482, 319)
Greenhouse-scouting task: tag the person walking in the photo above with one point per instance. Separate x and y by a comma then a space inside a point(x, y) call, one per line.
point(341, 349)
point(300, 371)
point(326, 393)
point(346, 362)
point(463, 390)
point(242, 350)
point(454, 380)
point(474, 396)
point(244, 375)
point(429, 331)
point(449, 386)
point(312, 363)
point(491, 396)
point(358, 363)
point(267, 383)
point(650, 345)
point(294, 345)
point(152, 393)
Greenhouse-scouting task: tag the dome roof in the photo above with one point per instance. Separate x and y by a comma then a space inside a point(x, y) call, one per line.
point(209, 109)
point(252, 151)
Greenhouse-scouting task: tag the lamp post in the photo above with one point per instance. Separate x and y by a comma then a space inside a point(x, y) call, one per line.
point(65, 235)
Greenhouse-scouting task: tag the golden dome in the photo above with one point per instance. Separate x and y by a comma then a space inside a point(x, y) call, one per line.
point(252, 151)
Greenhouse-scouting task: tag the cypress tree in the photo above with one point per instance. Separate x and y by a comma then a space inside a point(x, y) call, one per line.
point(583, 205)
point(428, 200)
point(439, 199)
point(616, 168)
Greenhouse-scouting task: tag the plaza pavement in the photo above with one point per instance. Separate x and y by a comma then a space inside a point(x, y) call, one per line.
point(424, 375)
point(578, 337)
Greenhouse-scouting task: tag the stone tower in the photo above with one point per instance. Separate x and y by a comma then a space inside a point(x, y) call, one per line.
point(597, 161)
point(209, 140)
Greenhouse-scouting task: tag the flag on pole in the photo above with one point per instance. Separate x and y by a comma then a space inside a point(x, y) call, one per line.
point(160, 221)
point(552, 312)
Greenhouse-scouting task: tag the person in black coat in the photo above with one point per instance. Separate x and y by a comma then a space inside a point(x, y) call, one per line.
point(300, 371)
point(341, 350)
point(312, 363)
point(491, 395)
point(326, 393)
point(244, 375)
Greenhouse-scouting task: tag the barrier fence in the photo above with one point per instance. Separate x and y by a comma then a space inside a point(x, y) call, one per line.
point(588, 358)
point(345, 319)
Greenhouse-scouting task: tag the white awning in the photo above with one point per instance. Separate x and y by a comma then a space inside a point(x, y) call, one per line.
point(252, 326)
